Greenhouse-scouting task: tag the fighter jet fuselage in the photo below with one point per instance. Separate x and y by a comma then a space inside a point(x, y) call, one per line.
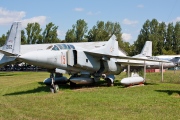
point(73, 61)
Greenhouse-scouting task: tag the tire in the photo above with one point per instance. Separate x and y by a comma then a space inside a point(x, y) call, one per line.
point(56, 88)
point(52, 89)
point(109, 83)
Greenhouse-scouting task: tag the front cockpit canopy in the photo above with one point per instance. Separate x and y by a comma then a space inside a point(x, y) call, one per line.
point(60, 47)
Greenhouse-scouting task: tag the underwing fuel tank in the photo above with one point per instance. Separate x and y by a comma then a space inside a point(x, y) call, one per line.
point(84, 78)
point(134, 80)
point(58, 80)
point(81, 80)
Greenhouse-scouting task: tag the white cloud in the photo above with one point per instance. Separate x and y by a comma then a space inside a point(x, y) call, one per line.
point(177, 19)
point(79, 9)
point(140, 6)
point(94, 13)
point(39, 19)
point(90, 13)
point(61, 34)
point(129, 22)
point(7, 17)
point(126, 37)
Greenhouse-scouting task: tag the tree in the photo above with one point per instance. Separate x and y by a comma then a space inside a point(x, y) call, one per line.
point(116, 30)
point(161, 37)
point(23, 37)
point(50, 34)
point(153, 36)
point(98, 32)
point(168, 52)
point(70, 35)
point(176, 40)
point(77, 33)
point(169, 37)
point(142, 37)
point(33, 33)
point(155, 32)
point(92, 34)
point(127, 48)
point(103, 31)
point(80, 30)
point(2, 39)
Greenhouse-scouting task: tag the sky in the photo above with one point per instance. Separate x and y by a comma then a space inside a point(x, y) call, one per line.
point(130, 14)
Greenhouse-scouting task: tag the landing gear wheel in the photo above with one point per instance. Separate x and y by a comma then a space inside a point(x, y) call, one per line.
point(56, 88)
point(52, 89)
point(109, 83)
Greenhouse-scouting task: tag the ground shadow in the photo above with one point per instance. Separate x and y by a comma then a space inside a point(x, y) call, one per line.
point(7, 74)
point(36, 90)
point(42, 88)
point(169, 92)
point(150, 83)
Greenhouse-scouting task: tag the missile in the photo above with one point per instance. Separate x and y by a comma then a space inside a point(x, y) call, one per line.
point(58, 80)
point(135, 80)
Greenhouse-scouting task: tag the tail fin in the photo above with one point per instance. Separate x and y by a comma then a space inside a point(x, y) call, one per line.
point(146, 51)
point(110, 48)
point(13, 41)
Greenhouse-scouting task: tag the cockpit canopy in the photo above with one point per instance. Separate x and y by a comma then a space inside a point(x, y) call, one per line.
point(60, 47)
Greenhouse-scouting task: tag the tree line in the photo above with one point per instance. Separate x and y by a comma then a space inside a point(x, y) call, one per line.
point(165, 38)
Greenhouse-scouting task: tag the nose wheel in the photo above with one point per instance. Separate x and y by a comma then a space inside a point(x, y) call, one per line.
point(53, 88)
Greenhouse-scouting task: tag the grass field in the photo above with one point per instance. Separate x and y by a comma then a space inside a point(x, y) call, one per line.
point(23, 96)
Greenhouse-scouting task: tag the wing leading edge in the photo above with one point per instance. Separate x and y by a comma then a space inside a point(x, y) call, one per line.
point(110, 50)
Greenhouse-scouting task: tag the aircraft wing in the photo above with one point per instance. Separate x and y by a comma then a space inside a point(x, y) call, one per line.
point(125, 59)
point(110, 50)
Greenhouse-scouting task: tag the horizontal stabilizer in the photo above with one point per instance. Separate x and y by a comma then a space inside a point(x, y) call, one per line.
point(7, 53)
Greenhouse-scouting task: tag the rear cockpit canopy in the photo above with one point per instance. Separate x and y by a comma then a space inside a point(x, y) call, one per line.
point(60, 47)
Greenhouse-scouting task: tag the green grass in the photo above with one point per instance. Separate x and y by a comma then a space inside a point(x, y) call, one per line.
point(23, 96)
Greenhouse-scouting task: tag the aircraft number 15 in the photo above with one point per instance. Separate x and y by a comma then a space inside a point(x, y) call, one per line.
point(63, 59)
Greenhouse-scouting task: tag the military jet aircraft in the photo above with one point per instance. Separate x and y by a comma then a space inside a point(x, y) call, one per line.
point(173, 58)
point(11, 49)
point(84, 65)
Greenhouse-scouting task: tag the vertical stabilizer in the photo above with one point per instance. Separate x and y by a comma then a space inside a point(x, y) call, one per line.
point(110, 48)
point(147, 49)
point(13, 41)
